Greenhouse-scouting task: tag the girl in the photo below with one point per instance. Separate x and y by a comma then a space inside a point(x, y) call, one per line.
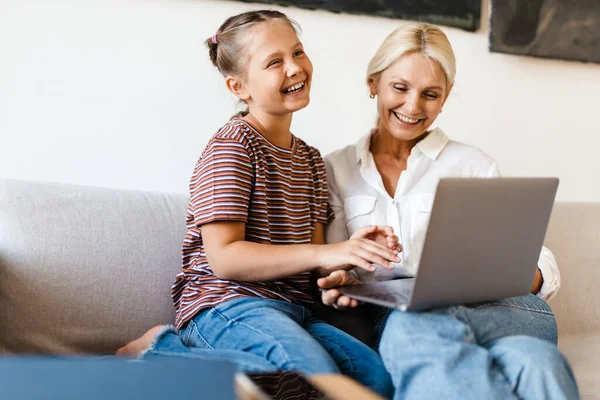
point(258, 205)
point(496, 350)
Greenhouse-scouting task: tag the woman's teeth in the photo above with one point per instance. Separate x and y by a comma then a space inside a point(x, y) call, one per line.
point(295, 88)
point(406, 120)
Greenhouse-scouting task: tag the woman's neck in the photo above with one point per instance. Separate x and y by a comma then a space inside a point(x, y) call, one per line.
point(276, 129)
point(384, 144)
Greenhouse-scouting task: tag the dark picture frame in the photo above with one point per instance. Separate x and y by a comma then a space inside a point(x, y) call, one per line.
point(559, 29)
point(464, 14)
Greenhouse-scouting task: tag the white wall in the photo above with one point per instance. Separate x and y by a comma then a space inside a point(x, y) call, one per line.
point(122, 94)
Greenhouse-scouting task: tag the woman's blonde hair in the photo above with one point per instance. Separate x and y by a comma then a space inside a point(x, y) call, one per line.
point(425, 39)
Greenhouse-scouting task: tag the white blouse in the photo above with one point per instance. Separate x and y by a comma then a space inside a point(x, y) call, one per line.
point(358, 198)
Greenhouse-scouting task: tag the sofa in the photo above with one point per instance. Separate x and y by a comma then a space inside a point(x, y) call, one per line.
point(84, 270)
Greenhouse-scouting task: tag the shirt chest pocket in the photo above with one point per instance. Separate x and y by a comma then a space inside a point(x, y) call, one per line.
point(359, 211)
point(416, 215)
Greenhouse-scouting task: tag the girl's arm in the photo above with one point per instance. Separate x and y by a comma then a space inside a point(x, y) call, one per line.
point(231, 257)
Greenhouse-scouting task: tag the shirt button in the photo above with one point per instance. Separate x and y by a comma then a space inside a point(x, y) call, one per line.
point(394, 201)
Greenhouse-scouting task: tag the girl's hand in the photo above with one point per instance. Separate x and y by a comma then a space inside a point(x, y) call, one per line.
point(331, 297)
point(381, 234)
point(355, 252)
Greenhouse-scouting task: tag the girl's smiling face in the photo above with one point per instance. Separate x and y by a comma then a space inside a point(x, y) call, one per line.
point(410, 95)
point(277, 73)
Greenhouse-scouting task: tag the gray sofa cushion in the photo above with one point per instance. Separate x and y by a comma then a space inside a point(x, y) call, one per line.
point(574, 237)
point(84, 269)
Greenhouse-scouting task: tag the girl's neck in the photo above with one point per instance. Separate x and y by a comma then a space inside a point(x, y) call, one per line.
point(276, 129)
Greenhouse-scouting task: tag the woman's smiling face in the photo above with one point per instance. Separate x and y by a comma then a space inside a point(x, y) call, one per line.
point(410, 95)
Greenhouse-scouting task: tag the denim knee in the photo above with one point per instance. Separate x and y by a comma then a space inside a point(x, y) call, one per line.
point(519, 316)
point(535, 368)
point(533, 354)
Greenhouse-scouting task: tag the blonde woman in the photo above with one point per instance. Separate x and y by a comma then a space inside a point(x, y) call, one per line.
point(505, 349)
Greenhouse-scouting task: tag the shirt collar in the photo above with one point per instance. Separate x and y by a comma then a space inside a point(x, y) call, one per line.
point(431, 146)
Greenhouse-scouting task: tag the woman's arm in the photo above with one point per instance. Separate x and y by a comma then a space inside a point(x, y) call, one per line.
point(549, 275)
point(231, 257)
point(538, 280)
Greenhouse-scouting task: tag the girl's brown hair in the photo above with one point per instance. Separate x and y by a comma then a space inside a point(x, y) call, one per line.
point(227, 47)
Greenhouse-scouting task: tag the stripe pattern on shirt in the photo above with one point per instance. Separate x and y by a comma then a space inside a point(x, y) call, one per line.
point(279, 193)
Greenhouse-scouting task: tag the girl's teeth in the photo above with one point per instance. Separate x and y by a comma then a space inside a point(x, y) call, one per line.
point(295, 88)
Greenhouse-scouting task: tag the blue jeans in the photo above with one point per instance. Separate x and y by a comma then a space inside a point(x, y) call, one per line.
point(267, 335)
point(503, 349)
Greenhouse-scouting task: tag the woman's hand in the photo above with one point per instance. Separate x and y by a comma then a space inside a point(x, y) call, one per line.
point(356, 252)
point(331, 297)
point(381, 234)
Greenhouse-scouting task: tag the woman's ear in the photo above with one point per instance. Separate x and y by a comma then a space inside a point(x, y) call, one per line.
point(449, 89)
point(237, 87)
point(372, 82)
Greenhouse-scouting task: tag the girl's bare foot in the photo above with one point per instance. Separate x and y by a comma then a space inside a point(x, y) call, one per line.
point(133, 349)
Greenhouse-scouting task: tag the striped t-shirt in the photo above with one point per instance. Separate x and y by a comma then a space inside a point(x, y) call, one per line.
point(279, 193)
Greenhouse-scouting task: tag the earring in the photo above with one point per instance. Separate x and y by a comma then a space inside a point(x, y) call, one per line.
point(372, 96)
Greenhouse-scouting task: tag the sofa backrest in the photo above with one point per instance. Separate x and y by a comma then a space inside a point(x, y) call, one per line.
point(574, 238)
point(85, 269)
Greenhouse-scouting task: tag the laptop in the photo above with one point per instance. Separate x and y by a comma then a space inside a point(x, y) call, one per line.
point(102, 378)
point(482, 243)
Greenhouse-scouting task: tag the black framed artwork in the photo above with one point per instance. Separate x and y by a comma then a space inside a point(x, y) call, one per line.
point(463, 14)
point(561, 29)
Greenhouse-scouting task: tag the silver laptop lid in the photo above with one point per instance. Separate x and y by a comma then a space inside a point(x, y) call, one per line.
point(491, 232)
